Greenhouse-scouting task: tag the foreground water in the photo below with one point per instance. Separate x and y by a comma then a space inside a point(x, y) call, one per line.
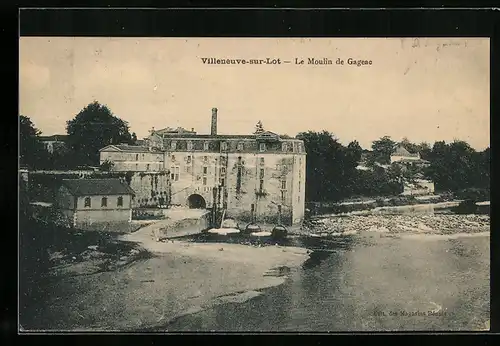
point(367, 283)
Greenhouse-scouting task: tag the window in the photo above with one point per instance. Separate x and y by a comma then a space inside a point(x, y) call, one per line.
point(299, 185)
point(299, 146)
point(188, 169)
point(261, 187)
point(222, 160)
point(223, 170)
point(283, 196)
point(238, 180)
point(87, 202)
point(283, 146)
point(120, 201)
point(240, 146)
point(205, 146)
point(147, 167)
point(137, 157)
point(205, 158)
point(223, 146)
point(222, 182)
point(204, 180)
point(172, 157)
point(173, 145)
point(189, 145)
point(262, 173)
point(104, 202)
point(262, 146)
point(188, 159)
point(283, 184)
point(262, 161)
point(174, 173)
point(205, 170)
point(239, 160)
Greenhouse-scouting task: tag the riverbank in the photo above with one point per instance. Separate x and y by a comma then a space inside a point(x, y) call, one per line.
point(132, 282)
point(88, 292)
point(432, 224)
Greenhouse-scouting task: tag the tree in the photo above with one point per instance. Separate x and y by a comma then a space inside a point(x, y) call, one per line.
point(329, 172)
point(93, 128)
point(354, 152)
point(425, 150)
point(259, 128)
point(31, 151)
point(382, 150)
point(106, 166)
point(134, 138)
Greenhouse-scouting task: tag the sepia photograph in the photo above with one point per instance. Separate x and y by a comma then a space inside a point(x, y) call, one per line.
point(254, 184)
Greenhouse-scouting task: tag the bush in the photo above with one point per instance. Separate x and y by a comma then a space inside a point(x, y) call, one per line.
point(467, 207)
point(474, 194)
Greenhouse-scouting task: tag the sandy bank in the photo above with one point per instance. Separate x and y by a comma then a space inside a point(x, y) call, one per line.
point(180, 278)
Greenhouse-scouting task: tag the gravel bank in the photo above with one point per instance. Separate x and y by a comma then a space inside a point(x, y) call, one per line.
point(420, 224)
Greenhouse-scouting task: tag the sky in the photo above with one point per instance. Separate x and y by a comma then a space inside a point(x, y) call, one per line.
point(424, 89)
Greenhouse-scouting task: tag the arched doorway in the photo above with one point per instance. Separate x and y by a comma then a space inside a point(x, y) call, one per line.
point(196, 201)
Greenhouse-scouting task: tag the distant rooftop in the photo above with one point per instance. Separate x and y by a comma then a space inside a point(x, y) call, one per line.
point(92, 187)
point(54, 138)
point(401, 151)
point(127, 147)
point(171, 131)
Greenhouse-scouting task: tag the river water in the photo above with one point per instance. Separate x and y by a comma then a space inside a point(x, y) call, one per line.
point(367, 282)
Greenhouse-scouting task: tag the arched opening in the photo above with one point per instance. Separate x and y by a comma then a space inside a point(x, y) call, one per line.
point(196, 201)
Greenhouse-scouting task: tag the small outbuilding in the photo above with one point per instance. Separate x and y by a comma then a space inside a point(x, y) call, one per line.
point(95, 203)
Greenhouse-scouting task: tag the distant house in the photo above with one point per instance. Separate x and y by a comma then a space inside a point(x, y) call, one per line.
point(54, 142)
point(95, 203)
point(132, 158)
point(419, 186)
point(403, 155)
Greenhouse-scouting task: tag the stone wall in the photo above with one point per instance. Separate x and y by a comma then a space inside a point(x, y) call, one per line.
point(152, 189)
point(264, 180)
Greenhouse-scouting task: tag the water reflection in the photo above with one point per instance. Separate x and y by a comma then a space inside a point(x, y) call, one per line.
point(367, 284)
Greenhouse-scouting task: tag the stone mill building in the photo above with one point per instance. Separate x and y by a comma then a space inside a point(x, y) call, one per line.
point(256, 172)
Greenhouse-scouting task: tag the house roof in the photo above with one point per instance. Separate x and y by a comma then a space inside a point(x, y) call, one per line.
point(172, 131)
point(401, 151)
point(60, 138)
point(92, 187)
point(127, 147)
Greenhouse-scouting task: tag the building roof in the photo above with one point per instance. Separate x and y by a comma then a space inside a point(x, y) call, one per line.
point(55, 138)
point(92, 187)
point(401, 151)
point(172, 131)
point(127, 147)
point(413, 161)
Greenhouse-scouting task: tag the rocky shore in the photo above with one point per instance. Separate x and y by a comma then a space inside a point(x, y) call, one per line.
point(426, 224)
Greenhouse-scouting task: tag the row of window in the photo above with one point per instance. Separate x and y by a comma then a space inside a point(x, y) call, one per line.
point(189, 159)
point(150, 158)
point(223, 146)
point(104, 202)
point(175, 172)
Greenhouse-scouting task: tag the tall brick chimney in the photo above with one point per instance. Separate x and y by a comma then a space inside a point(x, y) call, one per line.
point(213, 130)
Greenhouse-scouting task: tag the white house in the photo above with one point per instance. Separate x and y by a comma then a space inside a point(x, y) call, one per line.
point(95, 203)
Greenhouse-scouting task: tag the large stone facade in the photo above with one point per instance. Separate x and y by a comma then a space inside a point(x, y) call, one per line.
point(259, 172)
